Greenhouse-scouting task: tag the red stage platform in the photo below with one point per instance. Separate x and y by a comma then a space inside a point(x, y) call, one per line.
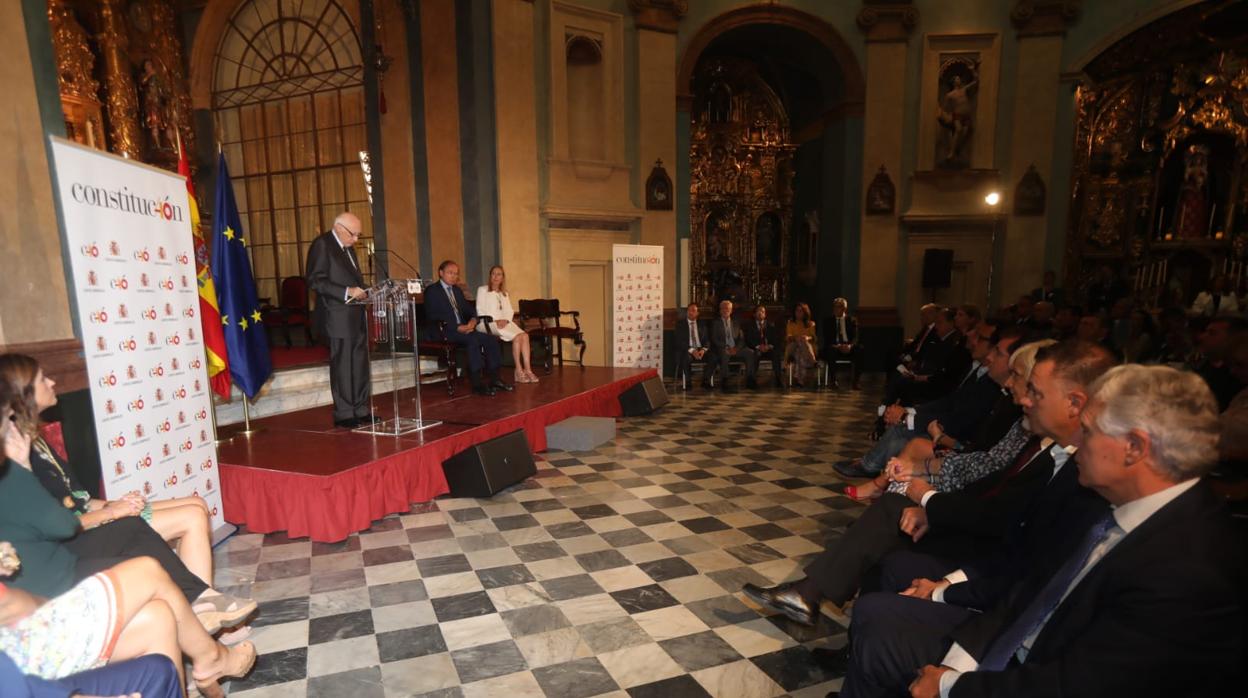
point(301, 475)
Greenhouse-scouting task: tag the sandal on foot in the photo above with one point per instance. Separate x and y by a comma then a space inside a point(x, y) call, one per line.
point(239, 660)
point(222, 611)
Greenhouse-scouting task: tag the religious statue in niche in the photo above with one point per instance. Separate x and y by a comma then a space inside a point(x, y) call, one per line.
point(1195, 186)
point(959, 78)
point(881, 194)
point(1029, 195)
point(157, 107)
point(658, 189)
point(767, 240)
point(718, 232)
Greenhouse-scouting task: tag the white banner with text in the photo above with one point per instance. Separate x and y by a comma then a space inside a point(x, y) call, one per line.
point(129, 238)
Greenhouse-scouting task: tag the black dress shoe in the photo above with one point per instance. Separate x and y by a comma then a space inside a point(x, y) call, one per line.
point(784, 599)
point(346, 423)
point(752, 384)
point(483, 390)
point(728, 390)
point(366, 419)
point(707, 386)
point(834, 662)
point(498, 384)
point(852, 468)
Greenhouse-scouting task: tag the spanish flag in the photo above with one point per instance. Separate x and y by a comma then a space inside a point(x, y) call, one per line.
point(209, 314)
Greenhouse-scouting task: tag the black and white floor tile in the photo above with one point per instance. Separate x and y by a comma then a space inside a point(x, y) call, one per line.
point(614, 572)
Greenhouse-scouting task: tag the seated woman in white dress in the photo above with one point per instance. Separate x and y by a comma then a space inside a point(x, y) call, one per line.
point(492, 300)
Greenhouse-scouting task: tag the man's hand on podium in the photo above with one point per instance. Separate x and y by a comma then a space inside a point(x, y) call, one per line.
point(356, 293)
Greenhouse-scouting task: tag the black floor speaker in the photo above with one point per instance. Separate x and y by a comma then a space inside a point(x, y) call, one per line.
point(643, 398)
point(482, 470)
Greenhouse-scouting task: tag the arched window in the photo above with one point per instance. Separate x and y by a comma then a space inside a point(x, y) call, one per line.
point(288, 100)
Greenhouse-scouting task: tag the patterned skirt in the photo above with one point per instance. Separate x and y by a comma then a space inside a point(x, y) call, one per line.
point(73, 632)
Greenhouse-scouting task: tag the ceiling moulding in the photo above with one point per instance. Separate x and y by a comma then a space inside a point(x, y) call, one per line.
point(659, 15)
point(887, 22)
point(1045, 17)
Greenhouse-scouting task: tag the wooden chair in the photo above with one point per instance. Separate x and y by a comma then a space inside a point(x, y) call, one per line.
point(291, 309)
point(542, 318)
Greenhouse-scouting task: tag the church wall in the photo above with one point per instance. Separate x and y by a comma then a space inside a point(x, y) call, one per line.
point(34, 301)
point(441, 99)
point(396, 141)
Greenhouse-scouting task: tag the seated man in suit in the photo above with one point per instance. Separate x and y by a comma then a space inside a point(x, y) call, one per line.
point(446, 306)
point(940, 364)
point(728, 343)
point(1146, 601)
point(957, 524)
point(762, 339)
point(691, 345)
point(842, 342)
point(957, 414)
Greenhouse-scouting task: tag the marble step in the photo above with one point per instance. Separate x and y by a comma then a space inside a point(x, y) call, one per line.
point(300, 388)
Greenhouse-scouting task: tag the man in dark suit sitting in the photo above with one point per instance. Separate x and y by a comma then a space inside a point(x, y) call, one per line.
point(728, 343)
point(1147, 601)
point(842, 341)
point(762, 338)
point(691, 345)
point(956, 524)
point(333, 274)
point(446, 306)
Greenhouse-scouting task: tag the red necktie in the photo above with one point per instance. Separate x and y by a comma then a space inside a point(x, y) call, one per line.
point(1025, 456)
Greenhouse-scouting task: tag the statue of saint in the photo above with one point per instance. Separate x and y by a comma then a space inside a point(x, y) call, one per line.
point(955, 116)
point(1192, 214)
point(156, 107)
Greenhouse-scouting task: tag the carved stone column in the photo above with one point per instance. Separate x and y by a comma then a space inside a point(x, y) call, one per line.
point(122, 99)
point(1034, 242)
point(887, 28)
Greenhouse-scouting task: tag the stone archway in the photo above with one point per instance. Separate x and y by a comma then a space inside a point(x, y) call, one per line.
point(851, 72)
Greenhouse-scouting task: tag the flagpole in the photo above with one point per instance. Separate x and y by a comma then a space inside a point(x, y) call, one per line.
point(216, 436)
point(247, 430)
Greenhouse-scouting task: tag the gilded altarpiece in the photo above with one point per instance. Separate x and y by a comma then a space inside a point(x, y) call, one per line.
point(122, 77)
point(1159, 194)
point(741, 186)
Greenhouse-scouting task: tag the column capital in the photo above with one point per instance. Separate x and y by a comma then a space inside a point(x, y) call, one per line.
point(1044, 17)
point(659, 15)
point(887, 21)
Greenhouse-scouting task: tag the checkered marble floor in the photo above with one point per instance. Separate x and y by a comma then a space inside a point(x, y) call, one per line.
point(614, 572)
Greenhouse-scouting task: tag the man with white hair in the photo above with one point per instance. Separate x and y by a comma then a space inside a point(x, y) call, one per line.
point(1149, 600)
point(333, 274)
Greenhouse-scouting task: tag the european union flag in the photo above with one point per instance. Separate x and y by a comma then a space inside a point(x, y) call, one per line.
point(245, 338)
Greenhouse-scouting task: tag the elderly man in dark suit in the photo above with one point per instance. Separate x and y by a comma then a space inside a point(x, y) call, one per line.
point(841, 332)
point(453, 319)
point(728, 343)
point(1146, 601)
point(333, 274)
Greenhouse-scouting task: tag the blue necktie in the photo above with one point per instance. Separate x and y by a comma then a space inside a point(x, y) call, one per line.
point(1011, 639)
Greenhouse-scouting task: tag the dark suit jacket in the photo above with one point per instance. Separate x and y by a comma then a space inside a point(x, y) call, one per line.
point(962, 410)
point(829, 332)
point(995, 426)
point(681, 334)
point(438, 309)
point(1061, 511)
point(719, 339)
point(944, 362)
point(1161, 615)
point(329, 273)
point(770, 333)
point(968, 511)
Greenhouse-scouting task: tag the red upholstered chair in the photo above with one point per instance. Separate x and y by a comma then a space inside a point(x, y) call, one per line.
point(292, 309)
point(543, 318)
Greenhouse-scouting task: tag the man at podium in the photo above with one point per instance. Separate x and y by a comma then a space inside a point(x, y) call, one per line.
point(334, 274)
